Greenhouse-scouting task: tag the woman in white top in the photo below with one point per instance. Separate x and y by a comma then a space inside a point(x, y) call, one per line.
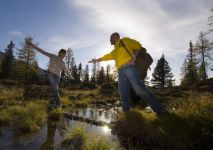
point(56, 65)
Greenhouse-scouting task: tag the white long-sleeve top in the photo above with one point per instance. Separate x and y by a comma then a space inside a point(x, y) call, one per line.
point(56, 64)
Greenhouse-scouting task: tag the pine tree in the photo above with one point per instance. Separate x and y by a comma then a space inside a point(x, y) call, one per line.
point(204, 52)
point(69, 59)
point(94, 73)
point(27, 55)
point(210, 19)
point(146, 81)
point(7, 65)
point(101, 78)
point(190, 73)
point(162, 75)
point(80, 74)
point(71, 65)
point(108, 74)
point(86, 74)
point(34, 72)
point(114, 74)
point(75, 73)
point(20, 68)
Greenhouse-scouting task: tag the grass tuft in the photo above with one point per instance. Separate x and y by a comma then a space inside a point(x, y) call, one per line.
point(29, 117)
point(79, 139)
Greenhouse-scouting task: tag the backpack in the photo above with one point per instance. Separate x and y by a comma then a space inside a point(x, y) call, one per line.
point(143, 61)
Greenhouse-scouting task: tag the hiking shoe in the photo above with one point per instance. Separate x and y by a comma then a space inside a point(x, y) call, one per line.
point(50, 109)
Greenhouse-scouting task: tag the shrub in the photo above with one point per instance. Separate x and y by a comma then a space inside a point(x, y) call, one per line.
point(107, 89)
point(88, 86)
point(9, 82)
point(38, 92)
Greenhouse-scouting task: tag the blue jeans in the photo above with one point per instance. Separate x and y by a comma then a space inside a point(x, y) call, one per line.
point(54, 83)
point(128, 77)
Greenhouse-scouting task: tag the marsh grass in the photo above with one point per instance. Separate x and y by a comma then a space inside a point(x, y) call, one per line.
point(55, 114)
point(187, 126)
point(79, 139)
point(7, 93)
point(81, 98)
point(76, 138)
point(97, 142)
point(27, 117)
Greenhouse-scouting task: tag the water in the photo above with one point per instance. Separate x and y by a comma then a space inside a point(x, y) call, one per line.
point(54, 132)
point(105, 115)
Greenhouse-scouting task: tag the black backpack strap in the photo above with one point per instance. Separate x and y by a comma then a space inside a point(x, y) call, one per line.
point(122, 44)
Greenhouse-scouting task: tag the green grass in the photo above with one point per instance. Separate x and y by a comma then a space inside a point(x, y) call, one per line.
point(7, 93)
point(86, 98)
point(56, 114)
point(79, 139)
point(187, 126)
point(99, 143)
point(76, 138)
point(27, 117)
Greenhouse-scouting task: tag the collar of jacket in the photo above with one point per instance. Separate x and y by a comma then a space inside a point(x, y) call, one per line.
point(117, 44)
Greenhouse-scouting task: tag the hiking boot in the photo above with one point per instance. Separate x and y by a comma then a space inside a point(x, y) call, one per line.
point(50, 109)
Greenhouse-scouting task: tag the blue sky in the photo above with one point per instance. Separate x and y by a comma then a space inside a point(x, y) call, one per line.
point(162, 26)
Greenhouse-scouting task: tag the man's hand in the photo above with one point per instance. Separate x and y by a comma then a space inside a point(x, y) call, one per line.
point(132, 61)
point(93, 61)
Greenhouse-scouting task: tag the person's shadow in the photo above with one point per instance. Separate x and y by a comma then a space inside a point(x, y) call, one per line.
point(51, 128)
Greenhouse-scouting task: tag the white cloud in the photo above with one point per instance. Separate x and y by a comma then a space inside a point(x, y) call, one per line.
point(61, 42)
point(146, 21)
point(16, 34)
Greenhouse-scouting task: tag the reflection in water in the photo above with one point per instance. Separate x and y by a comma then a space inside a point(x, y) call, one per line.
point(106, 129)
point(91, 113)
point(106, 115)
point(52, 133)
point(100, 112)
point(97, 114)
point(84, 112)
point(49, 143)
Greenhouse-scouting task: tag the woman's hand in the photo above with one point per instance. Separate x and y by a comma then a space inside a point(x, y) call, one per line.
point(93, 61)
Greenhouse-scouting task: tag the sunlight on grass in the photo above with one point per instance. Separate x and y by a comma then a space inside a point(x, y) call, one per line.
point(78, 138)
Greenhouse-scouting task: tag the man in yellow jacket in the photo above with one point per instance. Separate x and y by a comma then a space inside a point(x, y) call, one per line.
point(128, 75)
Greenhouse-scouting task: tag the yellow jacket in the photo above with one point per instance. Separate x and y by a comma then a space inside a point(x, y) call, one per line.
point(119, 54)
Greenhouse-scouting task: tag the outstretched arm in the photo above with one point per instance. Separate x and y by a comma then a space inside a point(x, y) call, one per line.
point(39, 49)
point(67, 72)
point(106, 57)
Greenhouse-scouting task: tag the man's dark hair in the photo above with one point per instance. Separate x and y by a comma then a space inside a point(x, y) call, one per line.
point(62, 51)
point(116, 34)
